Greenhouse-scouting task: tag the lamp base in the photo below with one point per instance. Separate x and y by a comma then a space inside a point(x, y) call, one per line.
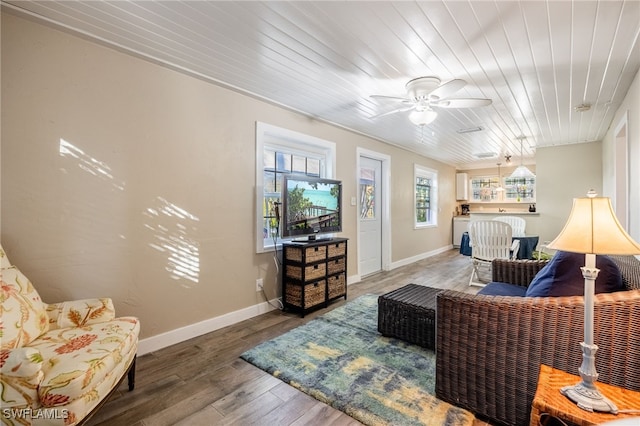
point(589, 398)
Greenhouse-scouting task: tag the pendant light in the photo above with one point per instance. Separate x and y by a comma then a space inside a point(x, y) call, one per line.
point(499, 188)
point(521, 172)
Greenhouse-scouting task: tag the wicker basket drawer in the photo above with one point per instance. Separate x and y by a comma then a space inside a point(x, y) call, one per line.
point(335, 266)
point(337, 286)
point(314, 294)
point(311, 272)
point(337, 249)
point(311, 254)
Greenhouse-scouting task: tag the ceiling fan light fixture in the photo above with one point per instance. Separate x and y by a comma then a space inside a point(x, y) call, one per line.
point(422, 118)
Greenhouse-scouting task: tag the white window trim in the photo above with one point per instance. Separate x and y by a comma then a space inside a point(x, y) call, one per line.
point(269, 136)
point(421, 171)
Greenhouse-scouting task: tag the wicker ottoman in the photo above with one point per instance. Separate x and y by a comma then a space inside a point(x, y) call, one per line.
point(409, 313)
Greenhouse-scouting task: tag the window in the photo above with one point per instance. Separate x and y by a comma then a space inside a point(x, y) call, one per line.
point(485, 189)
point(278, 152)
point(426, 199)
point(520, 189)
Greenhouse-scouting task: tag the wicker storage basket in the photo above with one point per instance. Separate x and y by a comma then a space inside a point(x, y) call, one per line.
point(337, 286)
point(311, 272)
point(314, 294)
point(335, 266)
point(312, 254)
point(337, 249)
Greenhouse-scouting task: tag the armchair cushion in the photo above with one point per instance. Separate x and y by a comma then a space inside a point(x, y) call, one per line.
point(502, 289)
point(22, 371)
point(80, 359)
point(562, 276)
point(23, 312)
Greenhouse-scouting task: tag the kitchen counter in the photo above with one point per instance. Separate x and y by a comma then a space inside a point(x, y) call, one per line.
point(507, 213)
point(460, 225)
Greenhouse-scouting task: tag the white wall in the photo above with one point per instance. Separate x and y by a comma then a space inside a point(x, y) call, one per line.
point(629, 111)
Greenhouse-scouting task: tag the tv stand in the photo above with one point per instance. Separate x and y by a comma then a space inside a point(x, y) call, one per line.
point(314, 273)
point(312, 239)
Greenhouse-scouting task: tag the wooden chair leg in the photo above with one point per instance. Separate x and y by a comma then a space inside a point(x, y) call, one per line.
point(131, 374)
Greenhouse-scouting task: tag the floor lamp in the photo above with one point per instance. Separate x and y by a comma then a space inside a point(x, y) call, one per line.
point(592, 229)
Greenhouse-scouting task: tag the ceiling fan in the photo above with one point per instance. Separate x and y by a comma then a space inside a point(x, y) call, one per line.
point(425, 93)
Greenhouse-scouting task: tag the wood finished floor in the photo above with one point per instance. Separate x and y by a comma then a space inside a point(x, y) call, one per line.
point(203, 381)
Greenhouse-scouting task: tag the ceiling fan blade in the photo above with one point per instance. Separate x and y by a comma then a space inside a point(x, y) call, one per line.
point(461, 103)
point(393, 111)
point(391, 98)
point(448, 88)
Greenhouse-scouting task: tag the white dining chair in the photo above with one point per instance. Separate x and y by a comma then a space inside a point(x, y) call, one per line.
point(490, 239)
point(518, 224)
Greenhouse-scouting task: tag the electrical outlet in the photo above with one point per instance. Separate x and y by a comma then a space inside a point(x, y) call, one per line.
point(259, 284)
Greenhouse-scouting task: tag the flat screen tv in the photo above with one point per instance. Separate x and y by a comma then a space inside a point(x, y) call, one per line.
point(310, 206)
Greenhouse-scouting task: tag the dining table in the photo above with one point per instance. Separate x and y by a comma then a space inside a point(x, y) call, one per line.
point(528, 244)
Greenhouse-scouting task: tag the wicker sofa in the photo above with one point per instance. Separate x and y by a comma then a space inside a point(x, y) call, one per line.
point(490, 348)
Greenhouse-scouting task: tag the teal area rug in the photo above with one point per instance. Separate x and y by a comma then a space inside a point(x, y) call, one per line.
point(342, 360)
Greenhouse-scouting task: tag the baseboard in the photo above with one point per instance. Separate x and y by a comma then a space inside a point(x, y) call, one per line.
point(187, 332)
point(413, 259)
point(163, 340)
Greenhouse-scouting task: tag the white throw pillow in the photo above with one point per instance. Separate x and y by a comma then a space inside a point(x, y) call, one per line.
point(24, 315)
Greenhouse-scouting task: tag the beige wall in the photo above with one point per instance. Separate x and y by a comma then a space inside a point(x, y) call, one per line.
point(109, 162)
point(564, 173)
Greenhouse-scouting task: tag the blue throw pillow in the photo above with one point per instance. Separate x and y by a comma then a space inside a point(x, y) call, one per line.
point(562, 276)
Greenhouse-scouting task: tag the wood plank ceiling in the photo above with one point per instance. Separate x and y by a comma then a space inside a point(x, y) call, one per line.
point(536, 60)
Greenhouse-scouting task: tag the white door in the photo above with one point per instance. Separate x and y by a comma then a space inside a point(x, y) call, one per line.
point(369, 208)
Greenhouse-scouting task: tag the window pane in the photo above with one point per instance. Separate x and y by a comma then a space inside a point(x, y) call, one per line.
point(283, 162)
point(270, 213)
point(313, 167)
point(269, 159)
point(299, 164)
point(367, 193)
point(426, 193)
point(269, 182)
point(423, 200)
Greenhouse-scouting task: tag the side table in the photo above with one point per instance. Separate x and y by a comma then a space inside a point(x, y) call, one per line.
point(548, 400)
point(409, 313)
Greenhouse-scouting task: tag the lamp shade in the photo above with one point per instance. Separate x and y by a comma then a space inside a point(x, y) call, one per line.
point(421, 118)
point(593, 228)
point(522, 172)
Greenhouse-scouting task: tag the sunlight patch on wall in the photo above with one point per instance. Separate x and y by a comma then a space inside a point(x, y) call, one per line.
point(89, 164)
point(172, 238)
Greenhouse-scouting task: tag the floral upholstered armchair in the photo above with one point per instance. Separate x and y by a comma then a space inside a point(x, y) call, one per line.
point(59, 362)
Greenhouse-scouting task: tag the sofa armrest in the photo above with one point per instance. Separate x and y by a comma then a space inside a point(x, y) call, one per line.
point(518, 272)
point(78, 313)
point(489, 348)
point(20, 374)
